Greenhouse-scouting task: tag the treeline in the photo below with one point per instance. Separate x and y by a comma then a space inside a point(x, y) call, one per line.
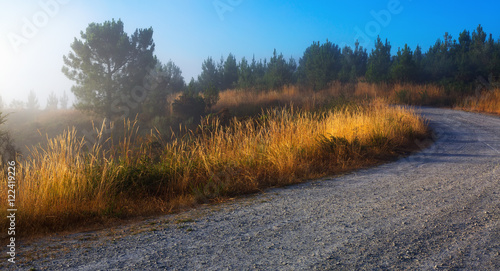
point(121, 77)
point(456, 64)
point(32, 104)
point(261, 74)
point(320, 64)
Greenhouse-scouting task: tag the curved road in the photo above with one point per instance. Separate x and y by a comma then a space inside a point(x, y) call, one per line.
point(438, 209)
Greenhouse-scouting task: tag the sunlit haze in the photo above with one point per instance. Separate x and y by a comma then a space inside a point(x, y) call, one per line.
point(36, 34)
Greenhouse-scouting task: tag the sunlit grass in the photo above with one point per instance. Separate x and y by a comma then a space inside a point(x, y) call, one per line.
point(66, 184)
point(242, 103)
point(487, 101)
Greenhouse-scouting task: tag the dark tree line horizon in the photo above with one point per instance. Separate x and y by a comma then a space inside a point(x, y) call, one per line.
point(107, 65)
point(449, 62)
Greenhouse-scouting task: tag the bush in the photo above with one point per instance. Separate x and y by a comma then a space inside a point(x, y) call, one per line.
point(189, 105)
point(211, 96)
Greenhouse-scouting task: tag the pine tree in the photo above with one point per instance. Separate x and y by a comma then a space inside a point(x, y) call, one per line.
point(279, 71)
point(245, 75)
point(107, 65)
point(32, 103)
point(360, 59)
point(52, 102)
point(404, 68)
point(230, 74)
point(379, 62)
point(348, 70)
point(210, 74)
point(319, 65)
point(418, 57)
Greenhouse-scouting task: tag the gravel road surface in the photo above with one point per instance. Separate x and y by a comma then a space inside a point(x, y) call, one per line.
point(437, 209)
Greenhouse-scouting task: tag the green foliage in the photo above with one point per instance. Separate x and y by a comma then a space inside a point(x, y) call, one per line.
point(246, 77)
point(210, 74)
point(319, 65)
point(323, 63)
point(458, 65)
point(348, 71)
point(230, 73)
point(353, 63)
point(379, 62)
point(404, 68)
point(107, 64)
point(279, 71)
point(251, 76)
point(418, 58)
point(454, 64)
point(193, 86)
point(259, 70)
point(438, 60)
point(359, 59)
point(265, 75)
point(211, 96)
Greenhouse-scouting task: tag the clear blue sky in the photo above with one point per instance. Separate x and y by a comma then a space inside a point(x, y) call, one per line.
point(188, 31)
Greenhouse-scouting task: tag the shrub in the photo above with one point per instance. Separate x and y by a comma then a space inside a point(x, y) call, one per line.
point(211, 96)
point(189, 105)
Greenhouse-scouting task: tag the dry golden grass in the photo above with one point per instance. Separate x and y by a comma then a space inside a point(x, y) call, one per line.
point(63, 185)
point(243, 103)
point(414, 94)
point(404, 93)
point(488, 101)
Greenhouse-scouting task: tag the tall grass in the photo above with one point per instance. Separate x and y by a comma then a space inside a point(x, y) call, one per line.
point(487, 101)
point(64, 184)
point(243, 103)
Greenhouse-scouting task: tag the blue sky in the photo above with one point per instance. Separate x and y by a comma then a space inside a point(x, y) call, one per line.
point(188, 31)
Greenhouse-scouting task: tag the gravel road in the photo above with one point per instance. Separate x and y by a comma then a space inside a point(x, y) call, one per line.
point(438, 209)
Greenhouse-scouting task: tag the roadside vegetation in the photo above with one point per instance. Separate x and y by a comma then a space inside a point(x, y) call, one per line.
point(487, 101)
point(63, 185)
point(144, 142)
